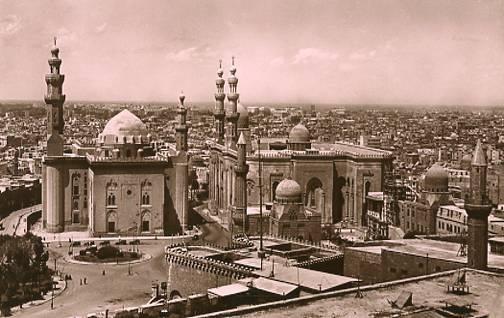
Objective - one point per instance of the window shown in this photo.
(75, 205)
(85, 203)
(111, 199)
(145, 199)
(111, 227)
(145, 226)
(76, 217)
(76, 189)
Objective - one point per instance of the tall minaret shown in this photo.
(232, 115)
(181, 128)
(219, 113)
(54, 100)
(241, 170)
(478, 207)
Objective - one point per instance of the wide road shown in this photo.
(113, 291)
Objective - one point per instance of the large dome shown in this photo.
(243, 120)
(436, 179)
(288, 190)
(124, 127)
(299, 134)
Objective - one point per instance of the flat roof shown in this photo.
(306, 278)
(435, 249)
(269, 285)
(429, 291)
(228, 290)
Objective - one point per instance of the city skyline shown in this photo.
(359, 52)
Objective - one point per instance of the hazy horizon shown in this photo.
(371, 52)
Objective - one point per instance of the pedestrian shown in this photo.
(81, 281)
(85, 281)
(103, 272)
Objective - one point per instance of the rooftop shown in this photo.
(428, 292)
(306, 278)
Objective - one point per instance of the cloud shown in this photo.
(307, 55)
(362, 55)
(101, 28)
(10, 24)
(277, 61)
(190, 54)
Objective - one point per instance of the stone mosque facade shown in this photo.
(334, 178)
(120, 186)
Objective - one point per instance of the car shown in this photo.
(103, 243)
(120, 242)
(135, 242)
(76, 243)
(89, 243)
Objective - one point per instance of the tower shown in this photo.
(241, 170)
(478, 207)
(219, 106)
(232, 115)
(54, 99)
(53, 195)
(181, 128)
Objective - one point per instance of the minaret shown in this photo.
(54, 100)
(181, 166)
(241, 170)
(478, 207)
(53, 185)
(232, 115)
(181, 128)
(219, 113)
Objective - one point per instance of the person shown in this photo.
(103, 272)
(85, 281)
(81, 281)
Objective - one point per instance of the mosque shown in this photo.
(120, 186)
(326, 181)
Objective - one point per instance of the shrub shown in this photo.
(107, 251)
(82, 252)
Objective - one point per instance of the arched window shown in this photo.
(311, 190)
(146, 199)
(146, 217)
(111, 199)
(273, 190)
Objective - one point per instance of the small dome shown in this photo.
(436, 179)
(299, 134)
(467, 158)
(124, 124)
(243, 120)
(288, 190)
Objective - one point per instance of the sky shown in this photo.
(431, 52)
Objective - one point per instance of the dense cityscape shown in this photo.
(381, 198)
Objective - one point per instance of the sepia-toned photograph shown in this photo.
(238, 158)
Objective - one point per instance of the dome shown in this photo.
(243, 120)
(125, 124)
(436, 179)
(299, 134)
(288, 190)
(467, 158)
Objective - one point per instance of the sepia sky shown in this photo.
(374, 51)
